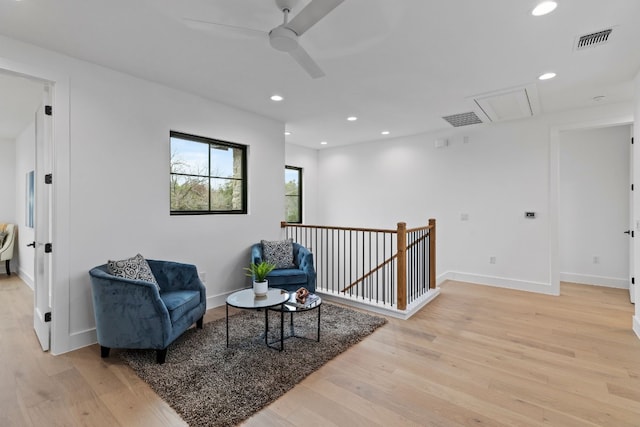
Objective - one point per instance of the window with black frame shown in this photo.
(208, 176)
(293, 194)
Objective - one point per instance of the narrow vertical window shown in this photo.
(293, 194)
(207, 176)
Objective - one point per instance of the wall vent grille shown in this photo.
(593, 39)
(463, 119)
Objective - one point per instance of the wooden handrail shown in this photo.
(284, 224)
(360, 279)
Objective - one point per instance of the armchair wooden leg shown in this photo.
(161, 356)
(200, 322)
(104, 352)
(8, 267)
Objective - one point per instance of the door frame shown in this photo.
(61, 338)
(554, 185)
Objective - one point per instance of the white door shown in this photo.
(632, 226)
(43, 191)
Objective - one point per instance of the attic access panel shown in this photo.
(509, 104)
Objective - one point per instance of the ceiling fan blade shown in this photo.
(214, 26)
(302, 57)
(311, 14)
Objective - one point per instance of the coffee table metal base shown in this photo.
(292, 330)
(246, 300)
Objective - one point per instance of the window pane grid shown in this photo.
(207, 175)
(293, 194)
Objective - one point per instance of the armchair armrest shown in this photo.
(304, 261)
(175, 276)
(256, 253)
(6, 250)
(128, 305)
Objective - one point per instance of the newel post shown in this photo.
(402, 265)
(432, 253)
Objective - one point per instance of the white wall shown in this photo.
(594, 206)
(25, 162)
(307, 159)
(501, 172)
(119, 184)
(7, 180)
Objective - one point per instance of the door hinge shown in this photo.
(633, 233)
(631, 140)
(48, 178)
(48, 110)
(633, 280)
(631, 187)
(48, 248)
(47, 316)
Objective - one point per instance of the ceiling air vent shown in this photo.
(593, 39)
(463, 119)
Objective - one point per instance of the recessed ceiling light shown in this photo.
(323, 143)
(287, 133)
(276, 98)
(385, 132)
(352, 118)
(544, 7)
(547, 76)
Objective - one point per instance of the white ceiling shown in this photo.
(399, 65)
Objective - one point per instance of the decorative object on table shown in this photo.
(259, 272)
(301, 295)
(210, 385)
(7, 239)
(309, 300)
(295, 266)
(133, 312)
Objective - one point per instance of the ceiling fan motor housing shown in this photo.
(283, 39)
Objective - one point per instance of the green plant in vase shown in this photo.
(259, 273)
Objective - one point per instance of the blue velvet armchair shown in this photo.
(290, 279)
(135, 314)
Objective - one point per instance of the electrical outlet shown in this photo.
(203, 276)
(492, 260)
(464, 217)
(596, 259)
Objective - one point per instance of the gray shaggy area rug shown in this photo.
(209, 384)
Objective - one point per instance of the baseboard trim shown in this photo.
(26, 278)
(89, 336)
(636, 325)
(499, 282)
(586, 279)
(384, 310)
(219, 299)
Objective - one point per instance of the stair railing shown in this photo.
(377, 266)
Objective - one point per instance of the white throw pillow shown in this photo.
(135, 268)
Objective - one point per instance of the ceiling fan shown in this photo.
(284, 37)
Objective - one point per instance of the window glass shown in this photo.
(293, 194)
(207, 175)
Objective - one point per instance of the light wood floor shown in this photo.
(475, 356)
